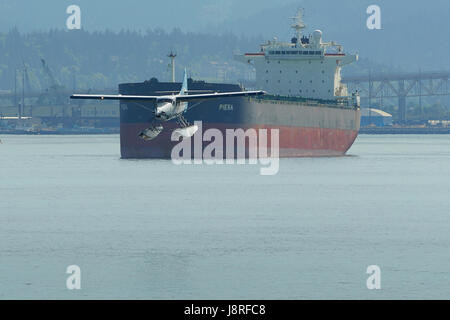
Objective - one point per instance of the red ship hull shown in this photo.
(293, 141)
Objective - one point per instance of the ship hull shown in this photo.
(304, 130)
(293, 141)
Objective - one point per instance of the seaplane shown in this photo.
(168, 107)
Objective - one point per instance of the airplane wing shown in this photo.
(186, 98)
(114, 97)
(193, 97)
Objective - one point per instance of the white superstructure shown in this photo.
(305, 67)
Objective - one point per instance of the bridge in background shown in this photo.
(400, 86)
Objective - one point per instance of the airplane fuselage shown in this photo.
(168, 108)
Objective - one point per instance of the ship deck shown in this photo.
(341, 104)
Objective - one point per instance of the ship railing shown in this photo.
(344, 102)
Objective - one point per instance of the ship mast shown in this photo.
(172, 56)
(298, 24)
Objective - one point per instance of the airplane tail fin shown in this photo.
(184, 87)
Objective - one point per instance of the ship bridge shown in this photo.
(309, 68)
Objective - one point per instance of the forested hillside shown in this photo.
(103, 59)
(414, 33)
(81, 59)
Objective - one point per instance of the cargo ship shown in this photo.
(305, 101)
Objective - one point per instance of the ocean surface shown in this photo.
(149, 229)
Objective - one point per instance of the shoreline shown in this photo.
(405, 130)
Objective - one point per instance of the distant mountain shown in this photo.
(81, 59)
(415, 33)
(188, 15)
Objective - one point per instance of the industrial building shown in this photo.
(375, 117)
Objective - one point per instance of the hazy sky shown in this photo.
(415, 33)
(191, 15)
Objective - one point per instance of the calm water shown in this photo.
(153, 230)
